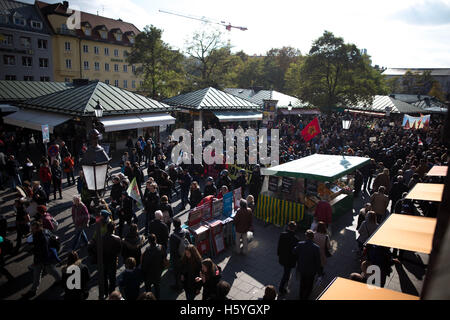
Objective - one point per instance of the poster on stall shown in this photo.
(273, 184)
(217, 208)
(410, 122)
(237, 196)
(45, 133)
(228, 204)
(219, 243)
(286, 184)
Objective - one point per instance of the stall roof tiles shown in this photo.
(258, 97)
(380, 103)
(23, 90)
(210, 99)
(81, 100)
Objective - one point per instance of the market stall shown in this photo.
(292, 190)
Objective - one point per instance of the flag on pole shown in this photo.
(311, 130)
(133, 192)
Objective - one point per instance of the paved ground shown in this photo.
(248, 275)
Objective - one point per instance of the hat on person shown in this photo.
(41, 209)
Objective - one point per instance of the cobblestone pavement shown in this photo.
(248, 275)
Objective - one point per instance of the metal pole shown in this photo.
(101, 276)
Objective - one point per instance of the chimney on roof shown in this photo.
(80, 82)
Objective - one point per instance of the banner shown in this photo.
(269, 110)
(237, 196)
(410, 122)
(311, 130)
(227, 204)
(45, 133)
(133, 192)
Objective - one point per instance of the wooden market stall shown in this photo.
(426, 192)
(292, 190)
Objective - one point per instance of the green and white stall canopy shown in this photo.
(321, 167)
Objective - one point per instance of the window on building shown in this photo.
(141, 83)
(125, 68)
(125, 53)
(19, 21)
(133, 84)
(43, 63)
(3, 18)
(131, 38)
(28, 78)
(85, 49)
(66, 79)
(106, 81)
(87, 31)
(106, 51)
(106, 66)
(42, 44)
(7, 39)
(116, 83)
(96, 50)
(118, 36)
(10, 77)
(133, 68)
(125, 84)
(97, 66)
(68, 64)
(67, 46)
(27, 61)
(36, 24)
(86, 65)
(9, 60)
(45, 79)
(116, 68)
(25, 42)
(116, 52)
(104, 34)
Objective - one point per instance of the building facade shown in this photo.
(25, 43)
(95, 49)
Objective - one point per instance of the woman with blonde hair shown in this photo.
(251, 203)
(190, 267)
(196, 194)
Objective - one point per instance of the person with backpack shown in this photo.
(151, 202)
(68, 164)
(190, 267)
(179, 240)
(80, 217)
(48, 222)
(45, 257)
(152, 265)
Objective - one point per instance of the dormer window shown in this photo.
(3, 18)
(131, 38)
(103, 34)
(118, 35)
(87, 31)
(36, 24)
(19, 21)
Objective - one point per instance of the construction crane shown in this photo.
(227, 26)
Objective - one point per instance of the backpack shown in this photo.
(184, 243)
(166, 216)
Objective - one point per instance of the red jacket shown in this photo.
(45, 175)
(323, 212)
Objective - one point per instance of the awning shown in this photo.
(345, 289)
(227, 116)
(34, 120)
(426, 192)
(286, 112)
(8, 108)
(370, 113)
(321, 167)
(118, 123)
(400, 231)
(437, 171)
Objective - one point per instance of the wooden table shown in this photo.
(438, 171)
(427, 192)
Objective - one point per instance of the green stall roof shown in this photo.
(321, 167)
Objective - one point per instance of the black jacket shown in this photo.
(126, 208)
(112, 246)
(160, 230)
(210, 190)
(39, 196)
(210, 285)
(308, 255)
(76, 294)
(195, 198)
(151, 203)
(152, 263)
(174, 242)
(286, 244)
(116, 192)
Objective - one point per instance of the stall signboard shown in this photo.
(233, 171)
(287, 184)
(273, 184)
(269, 110)
(237, 196)
(45, 134)
(217, 208)
(228, 204)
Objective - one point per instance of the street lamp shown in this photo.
(95, 167)
(98, 110)
(346, 122)
(289, 109)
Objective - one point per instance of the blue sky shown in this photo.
(396, 33)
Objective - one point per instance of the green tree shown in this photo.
(157, 63)
(394, 85)
(436, 91)
(335, 74)
(210, 62)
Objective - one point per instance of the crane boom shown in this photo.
(227, 26)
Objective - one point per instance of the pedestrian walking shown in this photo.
(80, 218)
(286, 244)
(243, 222)
(71, 293)
(130, 280)
(322, 239)
(190, 267)
(68, 165)
(210, 276)
(112, 246)
(177, 244)
(152, 266)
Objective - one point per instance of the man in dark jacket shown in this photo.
(125, 211)
(396, 192)
(178, 235)
(210, 188)
(185, 181)
(241, 182)
(12, 169)
(308, 263)
(112, 246)
(116, 192)
(152, 265)
(224, 180)
(151, 202)
(286, 244)
(160, 230)
(256, 183)
(43, 258)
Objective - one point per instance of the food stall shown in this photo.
(292, 190)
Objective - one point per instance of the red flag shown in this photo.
(311, 130)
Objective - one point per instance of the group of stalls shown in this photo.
(292, 190)
(211, 223)
(399, 231)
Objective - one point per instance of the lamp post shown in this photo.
(95, 166)
(346, 122)
(289, 109)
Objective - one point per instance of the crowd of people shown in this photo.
(396, 166)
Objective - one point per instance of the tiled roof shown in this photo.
(401, 71)
(380, 103)
(81, 100)
(22, 90)
(261, 95)
(210, 99)
(24, 10)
